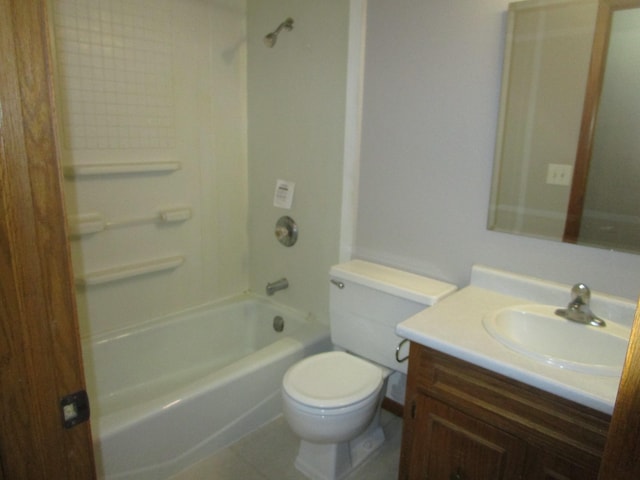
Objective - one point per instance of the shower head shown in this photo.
(271, 38)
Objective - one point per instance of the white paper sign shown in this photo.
(283, 198)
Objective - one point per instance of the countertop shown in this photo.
(454, 326)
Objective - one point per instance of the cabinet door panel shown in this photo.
(451, 445)
(543, 465)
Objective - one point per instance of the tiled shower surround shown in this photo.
(114, 63)
(152, 118)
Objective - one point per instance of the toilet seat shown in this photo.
(332, 380)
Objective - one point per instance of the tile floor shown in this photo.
(269, 452)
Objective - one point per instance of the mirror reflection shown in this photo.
(567, 163)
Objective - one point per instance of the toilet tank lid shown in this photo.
(417, 288)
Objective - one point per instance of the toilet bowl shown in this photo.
(331, 402)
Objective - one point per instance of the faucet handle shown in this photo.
(581, 293)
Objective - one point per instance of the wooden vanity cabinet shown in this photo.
(462, 422)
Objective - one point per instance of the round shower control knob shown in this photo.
(286, 231)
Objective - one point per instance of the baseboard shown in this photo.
(393, 406)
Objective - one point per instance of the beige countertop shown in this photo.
(454, 326)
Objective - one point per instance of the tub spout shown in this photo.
(273, 287)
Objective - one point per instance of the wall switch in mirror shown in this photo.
(559, 174)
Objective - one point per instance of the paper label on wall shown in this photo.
(283, 198)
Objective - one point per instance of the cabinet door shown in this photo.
(542, 465)
(450, 445)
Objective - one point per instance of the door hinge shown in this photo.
(413, 409)
(75, 409)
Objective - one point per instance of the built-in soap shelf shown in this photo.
(98, 169)
(122, 272)
(94, 222)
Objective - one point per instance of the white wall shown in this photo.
(431, 92)
(296, 97)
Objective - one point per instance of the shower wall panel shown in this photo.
(152, 102)
(297, 105)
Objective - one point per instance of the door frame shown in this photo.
(40, 352)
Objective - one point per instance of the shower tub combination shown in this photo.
(173, 391)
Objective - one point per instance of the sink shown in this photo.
(537, 332)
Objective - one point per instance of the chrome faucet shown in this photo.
(273, 287)
(578, 309)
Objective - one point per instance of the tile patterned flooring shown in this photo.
(269, 452)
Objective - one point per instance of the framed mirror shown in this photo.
(567, 163)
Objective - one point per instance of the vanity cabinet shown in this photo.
(463, 422)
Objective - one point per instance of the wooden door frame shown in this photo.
(40, 355)
(621, 459)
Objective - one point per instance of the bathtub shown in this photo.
(171, 392)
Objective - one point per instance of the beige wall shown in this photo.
(166, 81)
(155, 81)
(296, 94)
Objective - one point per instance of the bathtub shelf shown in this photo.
(94, 222)
(123, 272)
(90, 169)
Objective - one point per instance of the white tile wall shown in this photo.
(146, 81)
(114, 63)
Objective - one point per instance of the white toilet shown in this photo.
(332, 400)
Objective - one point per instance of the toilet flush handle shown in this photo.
(398, 359)
(337, 283)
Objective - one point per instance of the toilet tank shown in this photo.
(368, 300)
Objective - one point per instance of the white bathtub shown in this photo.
(168, 394)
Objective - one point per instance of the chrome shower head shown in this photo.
(271, 38)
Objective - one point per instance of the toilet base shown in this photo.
(334, 461)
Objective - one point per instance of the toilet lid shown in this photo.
(331, 380)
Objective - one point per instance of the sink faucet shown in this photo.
(578, 309)
(273, 287)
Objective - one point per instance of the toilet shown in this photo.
(332, 400)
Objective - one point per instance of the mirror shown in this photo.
(567, 163)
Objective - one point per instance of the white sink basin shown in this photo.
(537, 332)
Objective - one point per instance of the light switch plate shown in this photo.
(559, 174)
